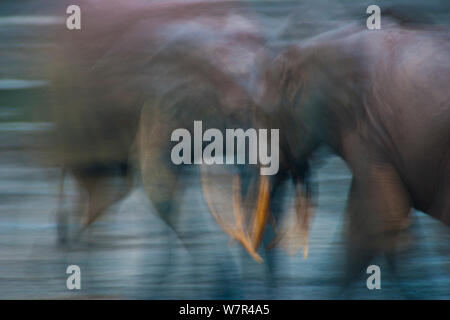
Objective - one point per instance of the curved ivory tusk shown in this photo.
(296, 234)
(261, 214)
(237, 233)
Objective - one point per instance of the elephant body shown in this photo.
(136, 71)
(380, 100)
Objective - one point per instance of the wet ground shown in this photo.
(125, 254)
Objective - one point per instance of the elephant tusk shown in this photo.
(238, 232)
(243, 238)
(261, 214)
(295, 235)
(304, 216)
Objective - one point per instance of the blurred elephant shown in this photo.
(380, 100)
(134, 73)
(140, 69)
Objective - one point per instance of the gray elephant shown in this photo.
(136, 71)
(380, 100)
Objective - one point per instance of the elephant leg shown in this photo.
(105, 185)
(162, 188)
(64, 216)
(160, 184)
(270, 238)
(276, 209)
(378, 209)
(159, 176)
(160, 179)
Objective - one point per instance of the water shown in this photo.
(17, 84)
(124, 256)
